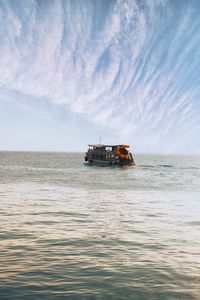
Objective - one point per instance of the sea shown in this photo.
(73, 231)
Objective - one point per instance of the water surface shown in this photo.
(83, 232)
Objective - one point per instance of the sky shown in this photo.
(125, 70)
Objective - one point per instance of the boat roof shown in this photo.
(102, 145)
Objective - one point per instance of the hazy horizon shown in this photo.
(83, 152)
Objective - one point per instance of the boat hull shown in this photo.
(109, 163)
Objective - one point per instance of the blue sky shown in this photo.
(74, 70)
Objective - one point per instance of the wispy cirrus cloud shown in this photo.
(131, 67)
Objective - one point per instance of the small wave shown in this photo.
(166, 166)
(147, 166)
(156, 166)
(194, 223)
(189, 168)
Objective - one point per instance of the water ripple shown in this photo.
(99, 233)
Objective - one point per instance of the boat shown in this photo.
(109, 155)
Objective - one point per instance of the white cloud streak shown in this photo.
(130, 66)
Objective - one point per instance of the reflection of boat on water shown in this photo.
(109, 155)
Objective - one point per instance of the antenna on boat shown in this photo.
(100, 140)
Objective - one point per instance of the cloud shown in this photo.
(130, 67)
